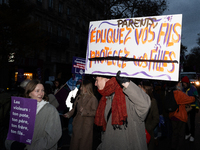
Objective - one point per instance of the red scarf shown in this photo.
(119, 113)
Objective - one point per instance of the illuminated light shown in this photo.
(197, 82)
(28, 75)
(7, 88)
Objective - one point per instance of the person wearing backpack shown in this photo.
(179, 117)
(191, 91)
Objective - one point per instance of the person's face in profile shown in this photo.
(83, 90)
(100, 82)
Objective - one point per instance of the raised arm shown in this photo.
(135, 94)
(140, 99)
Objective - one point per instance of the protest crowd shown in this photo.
(106, 112)
(125, 95)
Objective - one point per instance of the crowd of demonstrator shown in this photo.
(122, 110)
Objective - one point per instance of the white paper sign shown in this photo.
(155, 39)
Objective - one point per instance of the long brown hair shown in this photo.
(89, 87)
(31, 86)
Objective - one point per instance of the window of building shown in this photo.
(84, 4)
(48, 55)
(60, 8)
(27, 75)
(98, 16)
(77, 21)
(51, 3)
(59, 31)
(68, 13)
(68, 34)
(93, 12)
(11, 57)
(76, 39)
(58, 56)
(39, 2)
(4, 2)
(49, 26)
(67, 57)
(83, 23)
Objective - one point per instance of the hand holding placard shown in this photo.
(123, 82)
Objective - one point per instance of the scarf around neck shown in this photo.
(119, 112)
(40, 105)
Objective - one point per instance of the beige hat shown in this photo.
(24, 83)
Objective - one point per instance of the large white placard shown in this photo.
(156, 40)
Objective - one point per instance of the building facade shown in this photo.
(65, 23)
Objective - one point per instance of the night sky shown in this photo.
(190, 10)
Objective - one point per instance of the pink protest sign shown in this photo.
(22, 119)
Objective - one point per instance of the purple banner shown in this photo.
(22, 119)
(78, 65)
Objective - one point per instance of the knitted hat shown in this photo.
(185, 79)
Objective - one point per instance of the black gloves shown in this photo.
(121, 80)
(17, 146)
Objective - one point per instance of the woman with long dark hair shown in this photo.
(84, 110)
